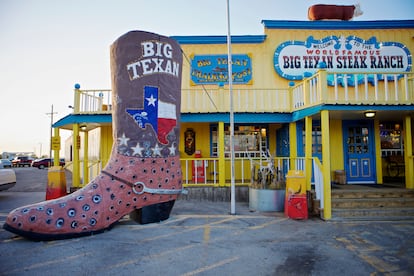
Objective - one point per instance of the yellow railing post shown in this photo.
(306, 91)
(290, 95)
(308, 151)
(76, 101)
(326, 166)
(408, 154)
(221, 155)
(323, 84)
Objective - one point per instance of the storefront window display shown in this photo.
(249, 141)
(391, 138)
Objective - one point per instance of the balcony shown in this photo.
(321, 88)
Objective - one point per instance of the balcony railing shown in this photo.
(354, 89)
(321, 88)
(245, 100)
(93, 101)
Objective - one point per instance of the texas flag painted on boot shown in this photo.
(160, 115)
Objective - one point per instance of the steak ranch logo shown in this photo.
(294, 60)
(156, 58)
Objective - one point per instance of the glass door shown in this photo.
(359, 152)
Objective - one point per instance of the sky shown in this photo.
(49, 45)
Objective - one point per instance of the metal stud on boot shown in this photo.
(143, 174)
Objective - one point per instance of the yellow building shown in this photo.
(334, 99)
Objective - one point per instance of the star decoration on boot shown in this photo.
(137, 150)
(172, 150)
(157, 150)
(123, 140)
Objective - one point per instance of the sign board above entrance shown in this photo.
(212, 69)
(295, 59)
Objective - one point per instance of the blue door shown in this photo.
(359, 151)
(282, 147)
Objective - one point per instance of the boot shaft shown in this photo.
(146, 84)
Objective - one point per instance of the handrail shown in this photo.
(318, 180)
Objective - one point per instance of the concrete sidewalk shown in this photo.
(202, 238)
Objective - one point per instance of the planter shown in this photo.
(266, 200)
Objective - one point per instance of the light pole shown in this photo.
(51, 129)
(230, 78)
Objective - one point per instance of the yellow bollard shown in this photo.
(56, 183)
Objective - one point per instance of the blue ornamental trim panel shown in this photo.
(213, 69)
(295, 60)
(338, 25)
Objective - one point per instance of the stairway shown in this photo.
(378, 203)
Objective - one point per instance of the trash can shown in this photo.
(340, 177)
(198, 168)
(296, 204)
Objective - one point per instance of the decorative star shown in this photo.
(172, 149)
(123, 140)
(157, 150)
(151, 100)
(137, 150)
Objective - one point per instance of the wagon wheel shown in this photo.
(393, 169)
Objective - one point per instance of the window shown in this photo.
(316, 140)
(357, 141)
(391, 138)
(249, 141)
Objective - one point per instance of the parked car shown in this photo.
(22, 161)
(46, 162)
(5, 163)
(7, 179)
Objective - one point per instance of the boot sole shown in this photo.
(148, 214)
(153, 213)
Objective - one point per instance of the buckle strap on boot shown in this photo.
(140, 188)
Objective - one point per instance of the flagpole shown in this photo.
(230, 78)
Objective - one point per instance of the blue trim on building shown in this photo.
(370, 107)
(335, 25)
(298, 115)
(240, 118)
(251, 118)
(301, 114)
(83, 118)
(237, 39)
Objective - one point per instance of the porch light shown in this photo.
(369, 114)
(83, 127)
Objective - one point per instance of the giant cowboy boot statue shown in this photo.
(143, 174)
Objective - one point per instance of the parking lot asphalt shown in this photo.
(202, 238)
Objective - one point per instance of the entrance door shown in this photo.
(359, 152)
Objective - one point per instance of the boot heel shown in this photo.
(153, 213)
